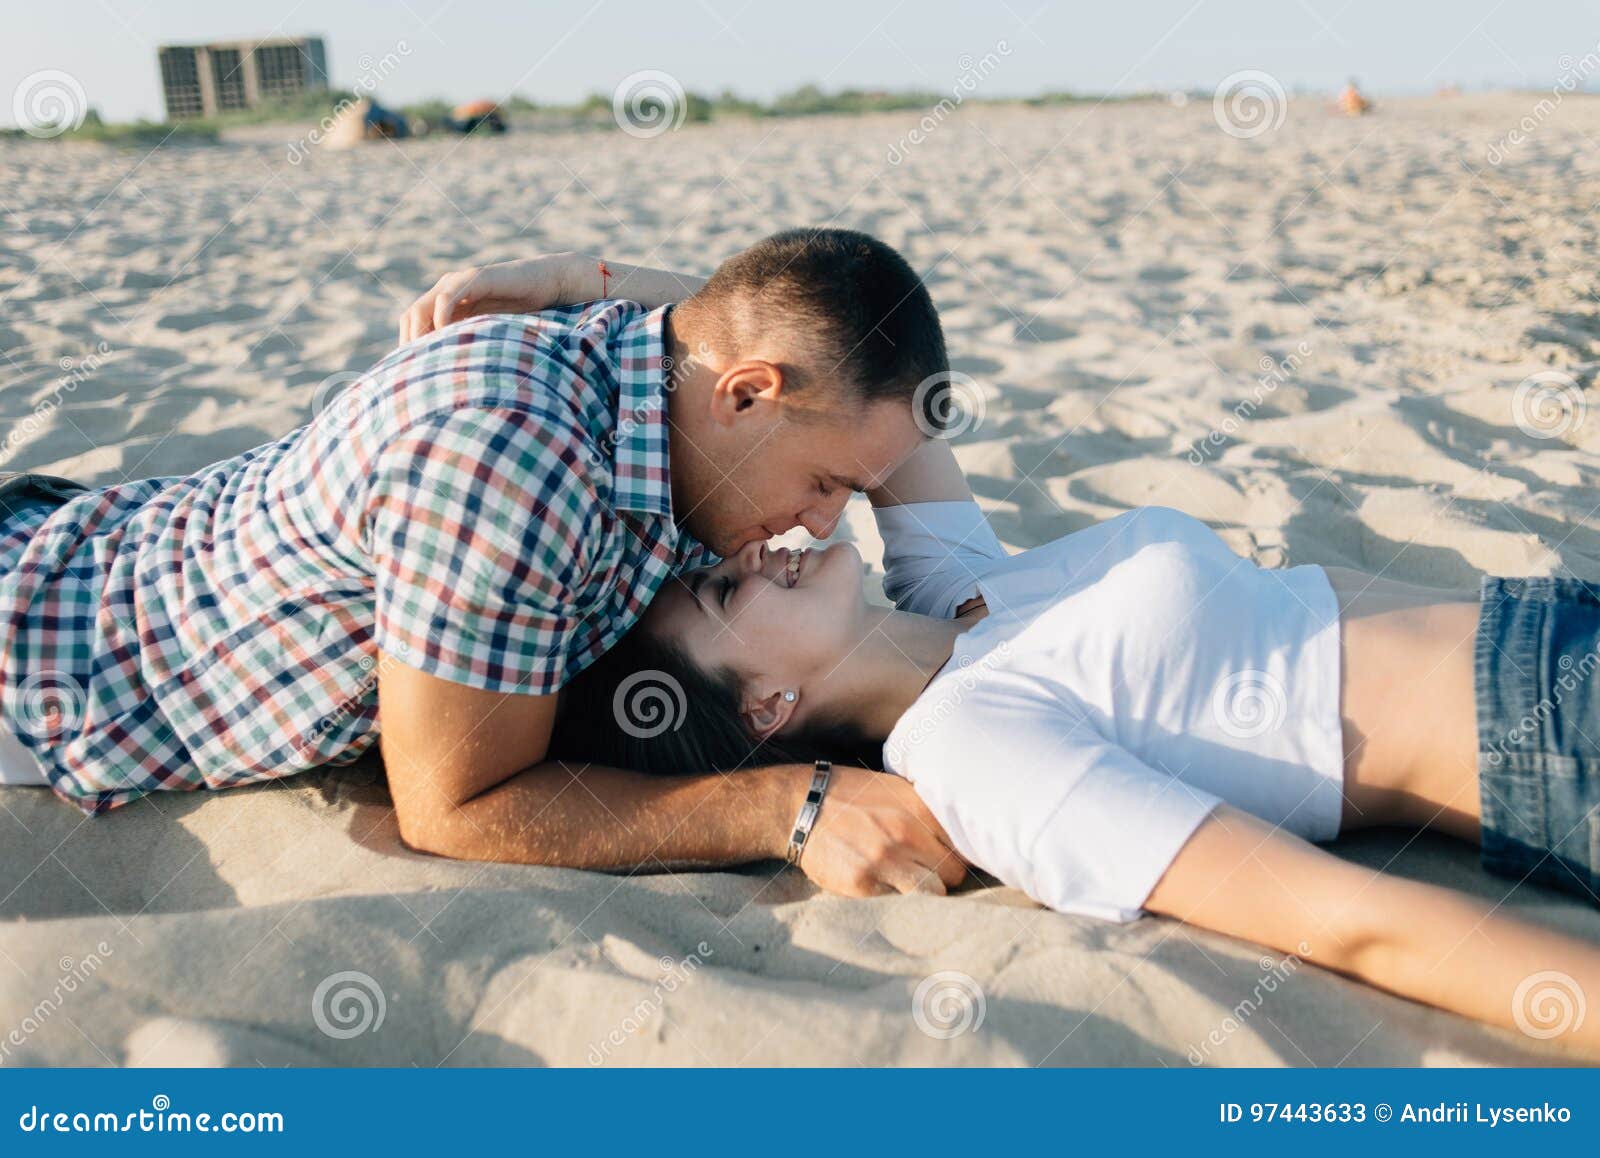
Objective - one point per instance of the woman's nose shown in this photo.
(749, 557)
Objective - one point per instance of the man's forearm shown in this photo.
(586, 816)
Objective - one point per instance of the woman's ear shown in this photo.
(766, 716)
(742, 386)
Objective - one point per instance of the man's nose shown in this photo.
(821, 521)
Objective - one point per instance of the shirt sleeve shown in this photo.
(481, 524)
(934, 554)
(1038, 798)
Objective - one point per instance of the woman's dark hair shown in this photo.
(647, 706)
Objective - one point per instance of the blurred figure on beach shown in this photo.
(475, 115)
(1351, 102)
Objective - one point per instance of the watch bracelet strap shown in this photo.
(821, 774)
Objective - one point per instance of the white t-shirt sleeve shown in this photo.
(934, 554)
(1042, 801)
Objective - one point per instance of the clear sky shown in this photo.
(560, 52)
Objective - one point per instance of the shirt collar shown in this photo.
(641, 480)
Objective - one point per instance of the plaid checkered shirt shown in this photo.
(489, 505)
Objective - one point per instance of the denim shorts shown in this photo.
(24, 490)
(1537, 673)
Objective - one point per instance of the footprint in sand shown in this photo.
(1164, 274)
(238, 312)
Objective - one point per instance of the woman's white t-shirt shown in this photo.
(1126, 679)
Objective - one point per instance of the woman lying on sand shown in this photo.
(1133, 719)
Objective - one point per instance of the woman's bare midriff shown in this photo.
(1407, 703)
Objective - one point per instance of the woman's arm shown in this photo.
(930, 475)
(539, 283)
(1238, 875)
(936, 542)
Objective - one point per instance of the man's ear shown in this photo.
(743, 386)
(767, 715)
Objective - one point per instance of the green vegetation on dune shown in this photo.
(596, 111)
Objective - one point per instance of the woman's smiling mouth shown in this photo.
(791, 573)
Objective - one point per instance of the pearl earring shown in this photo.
(788, 697)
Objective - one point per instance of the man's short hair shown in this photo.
(850, 300)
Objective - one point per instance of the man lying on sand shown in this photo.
(459, 534)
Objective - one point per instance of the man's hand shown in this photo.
(874, 836)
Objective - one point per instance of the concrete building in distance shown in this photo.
(202, 80)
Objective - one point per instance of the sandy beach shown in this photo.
(1358, 342)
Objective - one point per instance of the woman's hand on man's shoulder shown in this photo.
(525, 286)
